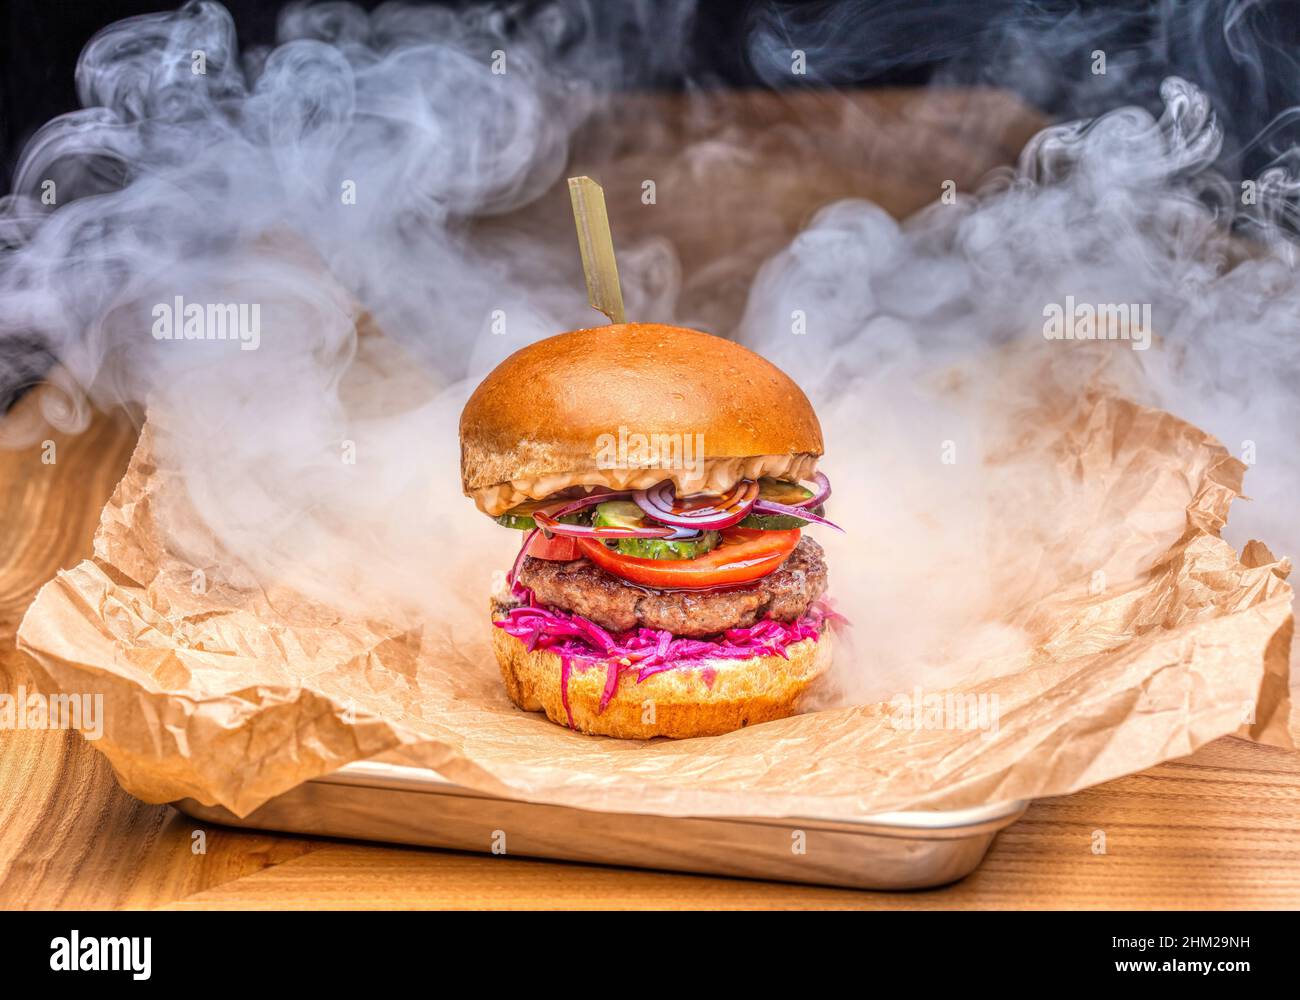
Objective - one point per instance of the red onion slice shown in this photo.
(769, 507)
(589, 500)
(660, 502)
(823, 491)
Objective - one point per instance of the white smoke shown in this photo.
(931, 334)
(352, 166)
(373, 161)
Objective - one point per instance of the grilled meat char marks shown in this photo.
(620, 606)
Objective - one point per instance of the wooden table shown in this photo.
(1218, 829)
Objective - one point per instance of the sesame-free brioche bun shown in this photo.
(742, 693)
(549, 416)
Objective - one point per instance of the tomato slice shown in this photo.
(559, 548)
(743, 555)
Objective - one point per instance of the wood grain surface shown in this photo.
(1218, 829)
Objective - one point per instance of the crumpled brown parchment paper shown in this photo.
(231, 696)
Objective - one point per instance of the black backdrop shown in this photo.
(1245, 53)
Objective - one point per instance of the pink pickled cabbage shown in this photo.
(649, 651)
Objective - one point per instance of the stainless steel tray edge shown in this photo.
(371, 800)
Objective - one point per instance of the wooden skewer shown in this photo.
(597, 247)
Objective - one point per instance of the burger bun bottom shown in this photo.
(705, 699)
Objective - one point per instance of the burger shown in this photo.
(660, 481)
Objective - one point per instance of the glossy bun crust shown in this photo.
(542, 414)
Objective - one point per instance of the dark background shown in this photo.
(1243, 53)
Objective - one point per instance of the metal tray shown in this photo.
(369, 800)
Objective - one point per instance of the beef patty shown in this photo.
(619, 606)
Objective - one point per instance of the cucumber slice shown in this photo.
(663, 548)
(523, 522)
(782, 491)
(617, 514)
(625, 514)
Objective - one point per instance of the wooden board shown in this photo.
(1218, 829)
